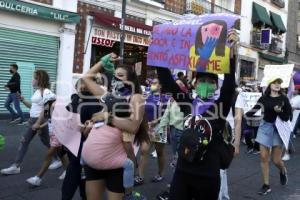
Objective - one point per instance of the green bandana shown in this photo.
(107, 64)
(206, 90)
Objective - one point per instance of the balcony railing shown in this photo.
(276, 45)
(255, 40)
(279, 3)
(200, 7)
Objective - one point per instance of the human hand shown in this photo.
(35, 127)
(233, 39)
(100, 116)
(207, 49)
(278, 109)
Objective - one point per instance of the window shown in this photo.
(247, 71)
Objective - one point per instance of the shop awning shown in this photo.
(281, 60)
(114, 22)
(260, 15)
(278, 23)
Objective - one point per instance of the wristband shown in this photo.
(109, 120)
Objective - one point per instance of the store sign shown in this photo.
(135, 30)
(39, 11)
(115, 36)
(102, 42)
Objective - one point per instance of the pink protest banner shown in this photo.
(197, 43)
(66, 127)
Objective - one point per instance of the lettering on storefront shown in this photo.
(115, 36)
(18, 8)
(135, 30)
(102, 42)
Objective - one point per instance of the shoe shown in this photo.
(286, 157)
(55, 165)
(34, 181)
(283, 177)
(157, 178)
(11, 170)
(249, 150)
(265, 189)
(134, 196)
(13, 120)
(163, 196)
(21, 123)
(62, 176)
(255, 152)
(138, 181)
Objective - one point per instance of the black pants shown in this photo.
(192, 187)
(73, 178)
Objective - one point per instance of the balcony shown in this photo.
(255, 41)
(200, 7)
(276, 45)
(279, 3)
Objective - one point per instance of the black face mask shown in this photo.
(11, 71)
(119, 87)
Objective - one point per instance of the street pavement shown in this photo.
(244, 176)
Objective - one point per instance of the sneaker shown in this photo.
(286, 157)
(265, 189)
(11, 170)
(138, 181)
(157, 178)
(163, 196)
(13, 120)
(134, 196)
(21, 123)
(34, 181)
(249, 150)
(283, 177)
(62, 176)
(255, 152)
(55, 165)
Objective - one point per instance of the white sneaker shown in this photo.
(55, 165)
(11, 170)
(286, 157)
(35, 181)
(62, 176)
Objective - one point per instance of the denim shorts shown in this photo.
(268, 135)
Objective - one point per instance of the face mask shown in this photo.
(205, 90)
(119, 87)
(11, 71)
(34, 83)
(153, 88)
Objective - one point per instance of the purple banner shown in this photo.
(197, 43)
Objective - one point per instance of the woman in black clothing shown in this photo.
(274, 104)
(197, 175)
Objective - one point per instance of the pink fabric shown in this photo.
(104, 149)
(66, 126)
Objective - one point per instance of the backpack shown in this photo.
(195, 139)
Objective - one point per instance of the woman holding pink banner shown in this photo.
(274, 104)
(106, 150)
(202, 149)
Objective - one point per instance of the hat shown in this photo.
(274, 79)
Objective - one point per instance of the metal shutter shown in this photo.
(39, 50)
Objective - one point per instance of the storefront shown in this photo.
(35, 37)
(105, 38)
(248, 64)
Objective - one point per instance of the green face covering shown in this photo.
(107, 64)
(206, 90)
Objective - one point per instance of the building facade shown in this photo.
(263, 36)
(37, 34)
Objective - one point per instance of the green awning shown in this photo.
(260, 15)
(278, 23)
(280, 60)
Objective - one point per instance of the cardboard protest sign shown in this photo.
(197, 43)
(284, 129)
(284, 72)
(250, 99)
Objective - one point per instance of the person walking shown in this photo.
(36, 105)
(14, 87)
(274, 104)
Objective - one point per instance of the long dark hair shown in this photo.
(220, 48)
(43, 80)
(267, 92)
(142, 134)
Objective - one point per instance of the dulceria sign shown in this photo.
(39, 11)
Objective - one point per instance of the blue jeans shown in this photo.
(12, 97)
(223, 194)
(128, 174)
(175, 139)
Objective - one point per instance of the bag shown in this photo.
(227, 149)
(195, 139)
